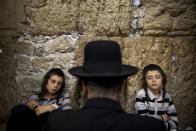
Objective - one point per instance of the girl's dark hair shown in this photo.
(153, 67)
(48, 75)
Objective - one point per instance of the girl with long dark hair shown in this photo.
(52, 96)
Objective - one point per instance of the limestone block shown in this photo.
(21, 22)
(182, 83)
(6, 33)
(57, 17)
(53, 17)
(44, 63)
(185, 22)
(28, 85)
(7, 83)
(110, 18)
(7, 20)
(12, 17)
(169, 17)
(67, 60)
(23, 64)
(59, 44)
(158, 25)
(7, 50)
(7, 14)
(25, 47)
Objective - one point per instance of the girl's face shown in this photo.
(154, 80)
(54, 84)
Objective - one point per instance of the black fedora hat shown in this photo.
(102, 58)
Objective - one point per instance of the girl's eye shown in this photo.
(60, 84)
(53, 81)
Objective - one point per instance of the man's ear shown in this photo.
(84, 88)
(123, 85)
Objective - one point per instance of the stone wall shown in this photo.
(36, 35)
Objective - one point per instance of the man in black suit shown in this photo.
(103, 77)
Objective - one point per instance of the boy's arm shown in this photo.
(173, 118)
(140, 105)
(64, 102)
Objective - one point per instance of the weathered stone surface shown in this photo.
(12, 17)
(7, 79)
(169, 17)
(52, 16)
(101, 17)
(28, 85)
(23, 64)
(45, 63)
(183, 76)
(110, 18)
(66, 62)
(24, 47)
(186, 21)
(61, 44)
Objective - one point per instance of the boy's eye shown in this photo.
(149, 78)
(158, 76)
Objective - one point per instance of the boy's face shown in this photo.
(54, 84)
(154, 80)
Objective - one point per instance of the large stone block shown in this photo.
(44, 63)
(182, 82)
(57, 17)
(25, 47)
(169, 17)
(110, 18)
(7, 21)
(12, 17)
(7, 83)
(59, 44)
(53, 17)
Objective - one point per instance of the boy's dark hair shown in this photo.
(48, 75)
(153, 67)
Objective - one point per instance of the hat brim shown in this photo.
(126, 70)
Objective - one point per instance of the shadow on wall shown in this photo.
(7, 78)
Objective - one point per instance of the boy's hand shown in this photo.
(44, 108)
(32, 104)
(165, 117)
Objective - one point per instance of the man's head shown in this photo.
(103, 73)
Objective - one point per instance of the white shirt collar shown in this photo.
(152, 96)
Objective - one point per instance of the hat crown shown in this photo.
(102, 57)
